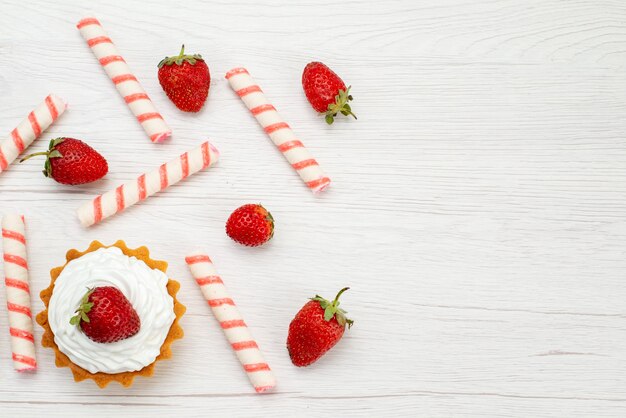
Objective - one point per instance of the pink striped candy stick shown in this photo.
(30, 129)
(279, 132)
(18, 293)
(127, 194)
(231, 321)
(125, 82)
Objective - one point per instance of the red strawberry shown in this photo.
(185, 79)
(326, 92)
(316, 328)
(106, 316)
(250, 225)
(71, 161)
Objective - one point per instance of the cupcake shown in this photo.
(111, 313)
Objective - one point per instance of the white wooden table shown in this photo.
(478, 205)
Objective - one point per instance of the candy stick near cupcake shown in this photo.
(18, 293)
(230, 320)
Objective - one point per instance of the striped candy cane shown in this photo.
(30, 129)
(125, 82)
(127, 194)
(279, 132)
(18, 293)
(231, 321)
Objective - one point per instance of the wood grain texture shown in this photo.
(478, 205)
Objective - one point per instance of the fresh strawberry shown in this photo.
(316, 328)
(250, 225)
(71, 161)
(185, 79)
(326, 92)
(106, 316)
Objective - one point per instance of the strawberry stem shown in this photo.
(336, 301)
(29, 156)
(51, 153)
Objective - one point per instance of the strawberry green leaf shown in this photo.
(82, 310)
(331, 309)
(180, 59)
(329, 313)
(55, 142)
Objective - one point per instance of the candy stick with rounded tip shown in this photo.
(126, 83)
(231, 321)
(127, 194)
(18, 293)
(30, 129)
(279, 132)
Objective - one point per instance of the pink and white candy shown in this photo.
(279, 132)
(30, 129)
(126, 83)
(127, 194)
(18, 293)
(231, 321)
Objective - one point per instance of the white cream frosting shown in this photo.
(145, 288)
